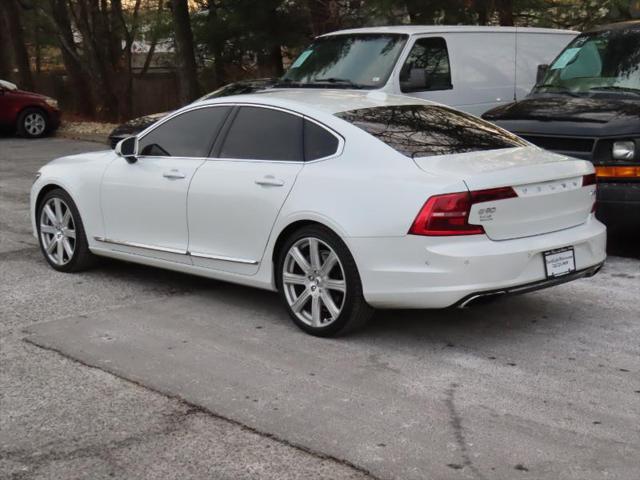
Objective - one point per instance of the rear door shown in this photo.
(235, 197)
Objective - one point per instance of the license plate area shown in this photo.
(559, 262)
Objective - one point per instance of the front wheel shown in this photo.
(33, 123)
(319, 283)
(61, 234)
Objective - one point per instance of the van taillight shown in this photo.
(448, 214)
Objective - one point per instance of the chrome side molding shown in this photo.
(176, 251)
(140, 245)
(222, 258)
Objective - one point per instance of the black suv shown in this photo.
(587, 105)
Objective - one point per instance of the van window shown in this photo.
(428, 130)
(427, 67)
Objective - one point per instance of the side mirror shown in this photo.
(127, 149)
(541, 73)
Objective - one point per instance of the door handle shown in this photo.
(270, 181)
(173, 174)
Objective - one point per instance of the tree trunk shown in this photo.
(505, 12)
(185, 56)
(324, 16)
(216, 42)
(6, 59)
(482, 9)
(20, 53)
(92, 19)
(79, 79)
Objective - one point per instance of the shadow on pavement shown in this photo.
(624, 242)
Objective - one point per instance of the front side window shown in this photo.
(427, 130)
(604, 61)
(427, 67)
(189, 134)
(264, 134)
(346, 61)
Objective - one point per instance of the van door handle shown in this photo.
(270, 181)
(173, 174)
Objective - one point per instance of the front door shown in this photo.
(144, 203)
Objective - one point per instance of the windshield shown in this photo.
(347, 61)
(607, 61)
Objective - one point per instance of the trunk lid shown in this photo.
(551, 196)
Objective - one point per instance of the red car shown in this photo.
(30, 114)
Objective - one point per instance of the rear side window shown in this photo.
(427, 67)
(318, 142)
(426, 130)
(264, 134)
(190, 134)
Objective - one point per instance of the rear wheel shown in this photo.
(61, 233)
(33, 123)
(319, 283)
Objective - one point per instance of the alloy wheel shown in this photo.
(57, 231)
(34, 124)
(314, 282)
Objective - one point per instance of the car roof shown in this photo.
(309, 100)
(426, 29)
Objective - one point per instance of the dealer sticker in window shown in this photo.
(300, 60)
(563, 60)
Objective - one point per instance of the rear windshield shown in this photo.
(427, 130)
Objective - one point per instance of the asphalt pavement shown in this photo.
(132, 372)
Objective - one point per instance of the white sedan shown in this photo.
(341, 201)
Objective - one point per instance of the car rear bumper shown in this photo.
(619, 203)
(530, 287)
(432, 272)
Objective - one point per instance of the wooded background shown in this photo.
(114, 59)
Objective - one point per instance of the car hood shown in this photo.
(100, 156)
(26, 94)
(565, 108)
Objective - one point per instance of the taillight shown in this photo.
(448, 214)
(492, 194)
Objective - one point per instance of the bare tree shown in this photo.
(12, 13)
(6, 59)
(71, 57)
(185, 55)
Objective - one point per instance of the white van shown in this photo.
(467, 67)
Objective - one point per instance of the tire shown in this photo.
(325, 297)
(33, 123)
(55, 229)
